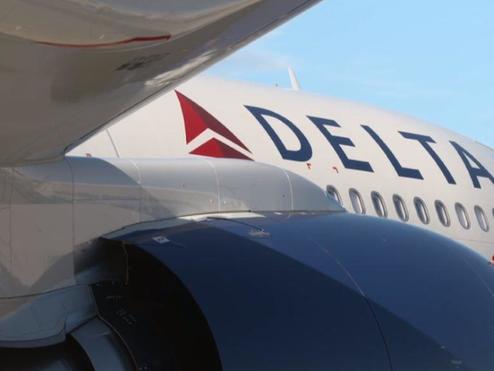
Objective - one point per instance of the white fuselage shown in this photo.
(332, 142)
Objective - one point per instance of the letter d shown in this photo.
(303, 154)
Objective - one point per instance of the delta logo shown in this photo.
(197, 121)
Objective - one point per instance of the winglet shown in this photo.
(293, 79)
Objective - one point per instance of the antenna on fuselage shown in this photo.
(293, 79)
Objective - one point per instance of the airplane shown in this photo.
(138, 263)
(371, 161)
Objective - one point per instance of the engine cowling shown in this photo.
(282, 291)
(317, 291)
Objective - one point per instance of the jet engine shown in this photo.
(284, 288)
(283, 291)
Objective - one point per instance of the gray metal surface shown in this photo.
(102, 347)
(39, 321)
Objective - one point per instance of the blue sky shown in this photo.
(430, 59)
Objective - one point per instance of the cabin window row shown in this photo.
(421, 209)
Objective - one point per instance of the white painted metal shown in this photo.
(82, 22)
(147, 132)
(41, 224)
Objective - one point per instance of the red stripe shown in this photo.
(121, 42)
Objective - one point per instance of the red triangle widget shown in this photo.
(197, 120)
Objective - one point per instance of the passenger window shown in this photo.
(462, 215)
(357, 202)
(442, 213)
(421, 209)
(333, 192)
(379, 205)
(400, 207)
(481, 218)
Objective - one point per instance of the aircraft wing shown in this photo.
(68, 67)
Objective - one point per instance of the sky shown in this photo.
(433, 60)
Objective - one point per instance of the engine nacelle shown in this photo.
(282, 291)
(314, 291)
